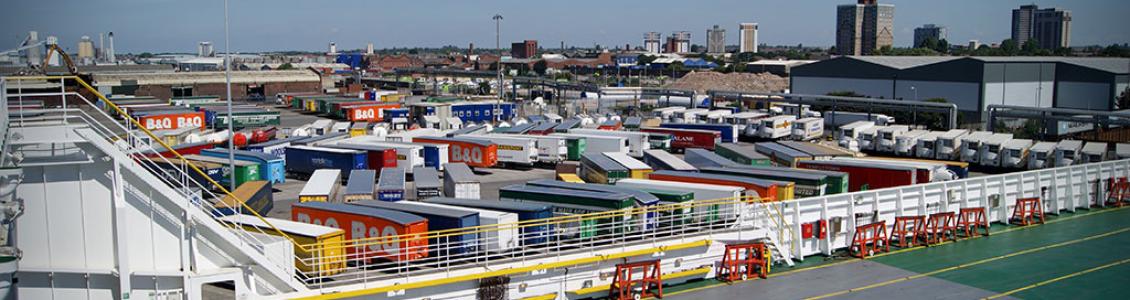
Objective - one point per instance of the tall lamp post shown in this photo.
(915, 90)
(227, 75)
(498, 45)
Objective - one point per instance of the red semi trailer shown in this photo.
(689, 138)
(867, 174)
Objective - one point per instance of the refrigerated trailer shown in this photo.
(947, 145)
(906, 142)
(518, 150)
(1014, 153)
(1068, 152)
(888, 137)
(599, 144)
(1094, 152)
(847, 136)
(746, 122)
(971, 145)
(637, 141)
(869, 138)
(808, 129)
(776, 127)
(991, 149)
(1041, 155)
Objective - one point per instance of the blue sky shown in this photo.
(266, 25)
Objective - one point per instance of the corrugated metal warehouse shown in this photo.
(973, 83)
(167, 85)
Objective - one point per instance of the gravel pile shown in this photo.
(750, 82)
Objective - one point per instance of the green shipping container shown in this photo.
(597, 168)
(244, 170)
(573, 202)
(669, 197)
(746, 155)
(576, 148)
(248, 119)
(323, 106)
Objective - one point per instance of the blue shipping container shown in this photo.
(439, 219)
(305, 159)
(271, 167)
(391, 186)
(526, 211)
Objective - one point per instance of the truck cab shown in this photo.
(1015, 153)
(887, 137)
(847, 136)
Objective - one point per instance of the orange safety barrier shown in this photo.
(939, 227)
(907, 230)
(971, 219)
(869, 239)
(742, 261)
(1027, 211)
(1119, 192)
(624, 283)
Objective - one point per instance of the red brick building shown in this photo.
(525, 49)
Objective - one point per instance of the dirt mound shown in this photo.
(759, 82)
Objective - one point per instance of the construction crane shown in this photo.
(51, 48)
(41, 69)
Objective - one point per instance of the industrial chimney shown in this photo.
(369, 49)
(110, 50)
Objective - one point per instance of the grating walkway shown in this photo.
(1078, 256)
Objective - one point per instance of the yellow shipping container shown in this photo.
(639, 173)
(319, 250)
(567, 177)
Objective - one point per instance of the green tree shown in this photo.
(1123, 100)
(540, 66)
(928, 43)
(1009, 47)
(286, 66)
(943, 46)
(1030, 47)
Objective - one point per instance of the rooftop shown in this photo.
(206, 77)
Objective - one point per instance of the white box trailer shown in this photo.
(948, 144)
(1014, 153)
(551, 148)
(600, 144)
(407, 135)
(511, 149)
(971, 146)
(834, 119)
(1122, 151)
(905, 142)
(888, 136)
(666, 113)
(847, 136)
(927, 145)
(746, 122)
(637, 141)
(341, 127)
(1067, 152)
(808, 129)
(502, 239)
(776, 127)
(869, 138)
(321, 127)
(408, 156)
(714, 116)
(1094, 152)
(991, 149)
(322, 186)
(1041, 155)
(460, 182)
(690, 115)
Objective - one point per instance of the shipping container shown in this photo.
(866, 175)
(597, 168)
(303, 160)
(362, 186)
(728, 132)
(743, 154)
(848, 136)
(454, 243)
(460, 182)
(369, 112)
(391, 186)
(700, 192)
(275, 147)
(502, 236)
(247, 118)
(317, 248)
(551, 149)
(991, 148)
(888, 138)
(271, 168)
(661, 160)
(172, 120)
(768, 190)
(594, 144)
(701, 158)
(473, 152)
(245, 171)
(869, 138)
(426, 181)
(957, 168)
(574, 202)
(323, 186)
(637, 141)
(512, 149)
(905, 142)
(776, 127)
(807, 129)
(948, 145)
(256, 195)
(782, 155)
(927, 145)
(636, 168)
(971, 146)
(1094, 152)
(321, 126)
(1122, 151)
(1014, 153)
(1041, 155)
(1068, 152)
(806, 184)
(377, 224)
(531, 235)
(688, 138)
(376, 156)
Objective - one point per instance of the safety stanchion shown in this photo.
(1119, 192)
(1028, 211)
(939, 227)
(743, 261)
(869, 239)
(971, 219)
(907, 230)
(636, 280)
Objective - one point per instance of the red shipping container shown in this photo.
(360, 222)
(369, 112)
(474, 153)
(873, 176)
(689, 138)
(173, 121)
(612, 126)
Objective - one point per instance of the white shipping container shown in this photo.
(460, 182)
(515, 150)
(948, 144)
(322, 186)
(927, 144)
(971, 146)
(600, 144)
(905, 143)
(1067, 152)
(776, 127)
(637, 141)
(1015, 153)
(808, 129)
(888, 137)
(991, 149)
(551, 148)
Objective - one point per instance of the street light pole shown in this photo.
(915, 93)
(227, 75)
(498, 45)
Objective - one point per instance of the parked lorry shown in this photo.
(661, 160)
(637, 141)
(362, 186)
(848, 135)
(808, 129)
(391, 186)
(970, 146)
(1041, 155)
(743, 154)
(303, 160)
(776, 127)
(688, 138)
(322, 186)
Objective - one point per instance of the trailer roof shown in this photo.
(321, 182)
(544, 126)
(627, 161)
(319, 138)
(466, 130)
(1043, 146)
(1069, 144)
(1122, 150)
(1018, 144)
(998, 138)
(816, 149)
(500, 205)
(679, 184)
(217, 160)
(534, 189)
(612, 133)
(602, 162)
(764, 172)
(748, 180)
(773, 149)
(857, 124)
(953, 133)
(426, 177)
(391, 178)
(567, 124)
(358, 146)
(642, 197)
(361, 182)
(700, 158)
(795, 170)
(412, 209)
(779, 118)
(286, 226)
(747, 114)
(459, 172)
(669, 159)
(893, 128)
(256, 154)
(361, 208)
(455, 139)
(930, 136)
(1094, 147)
(977, 136)
(633, 121)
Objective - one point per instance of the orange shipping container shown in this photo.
(384, 230)
(367, 112)
(473, 152)
(173, 121)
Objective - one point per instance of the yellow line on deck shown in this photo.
(1049, 281)
(974, 263)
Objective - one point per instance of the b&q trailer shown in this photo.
(637, 141)
(502, 239)
(728, 132)
(866, 175)
(367, 112)
(439, 219)
(781, 154)
(511, 150)
(688, 138)
(742, 154)
(661, 160)
(636, 168)
(322, 187)
(361, 186)
(700, 158)
(245, 171)
(807, 184)
(473, 152)
(372, 223)
(303, 160)
(766, 189)
(272, 168)
(460, 182)
(317, 248)
(597, 168)
(526, 211)
(426, 181)
(391, 186)
(595, 143)
(256, 195)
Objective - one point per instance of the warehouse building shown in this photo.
(245, 84)
(973, 83)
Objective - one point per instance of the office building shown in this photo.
(747, 37)
(651, 42)
(1050, 27)
(863, 27)
(205, 49)
(921, 34)
(716, 40)
(524, 49)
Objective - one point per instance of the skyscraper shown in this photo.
(716, 40)
(863, 27)
(747, 37)
(651, 41)
(1050, 27)
(928, 31)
